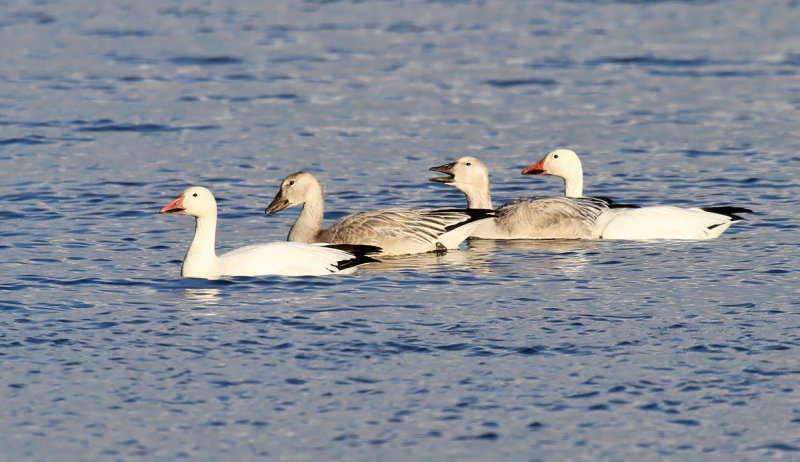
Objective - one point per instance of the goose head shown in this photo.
(562, 163)
(565, 164)
(196, 201)
(467, 174)
(296, 189)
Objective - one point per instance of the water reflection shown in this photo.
(485, 255)
(567, 256)
(206, 296)
(466, 260)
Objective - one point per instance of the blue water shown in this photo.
(502, 351)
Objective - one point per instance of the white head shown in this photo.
(563, 163)
(196, 201)
(296, 189)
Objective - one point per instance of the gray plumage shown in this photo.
(398, 231)
(537, 217)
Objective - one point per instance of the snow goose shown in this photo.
(657, 222)
(398, 231)
(278, 258)
(537, 217)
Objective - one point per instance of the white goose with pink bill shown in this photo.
(272, 258)
(656, 222)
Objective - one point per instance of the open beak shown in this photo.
(536, 169)
(447, 169)
(175, 207)
(278, 203)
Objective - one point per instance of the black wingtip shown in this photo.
(729, 211)
(474, 215)
(614, 205)
(360, 254)
(480, 214)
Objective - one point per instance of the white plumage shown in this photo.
(273, 258)
(658, 222)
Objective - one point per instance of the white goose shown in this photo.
(658, 222)
(537, 217)
(273, 258)
(398, 231)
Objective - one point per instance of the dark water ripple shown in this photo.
(205, 60)
(119, 33)
(520, 82)
(110, 126)
(29, 140)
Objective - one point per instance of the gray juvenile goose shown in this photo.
(398, 231)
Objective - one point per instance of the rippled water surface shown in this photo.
(502, 351)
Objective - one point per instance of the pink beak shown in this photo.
(175, 207)
(536, 169)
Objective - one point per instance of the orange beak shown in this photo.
(536, 169)
(175, 207)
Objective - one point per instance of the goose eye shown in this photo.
(555, 156)
(469, 163)
(194, 195)
(291, 182)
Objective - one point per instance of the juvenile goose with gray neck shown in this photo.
(398, 231)
(537, 217)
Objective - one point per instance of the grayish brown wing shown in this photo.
(552, 217)
(402, 229)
